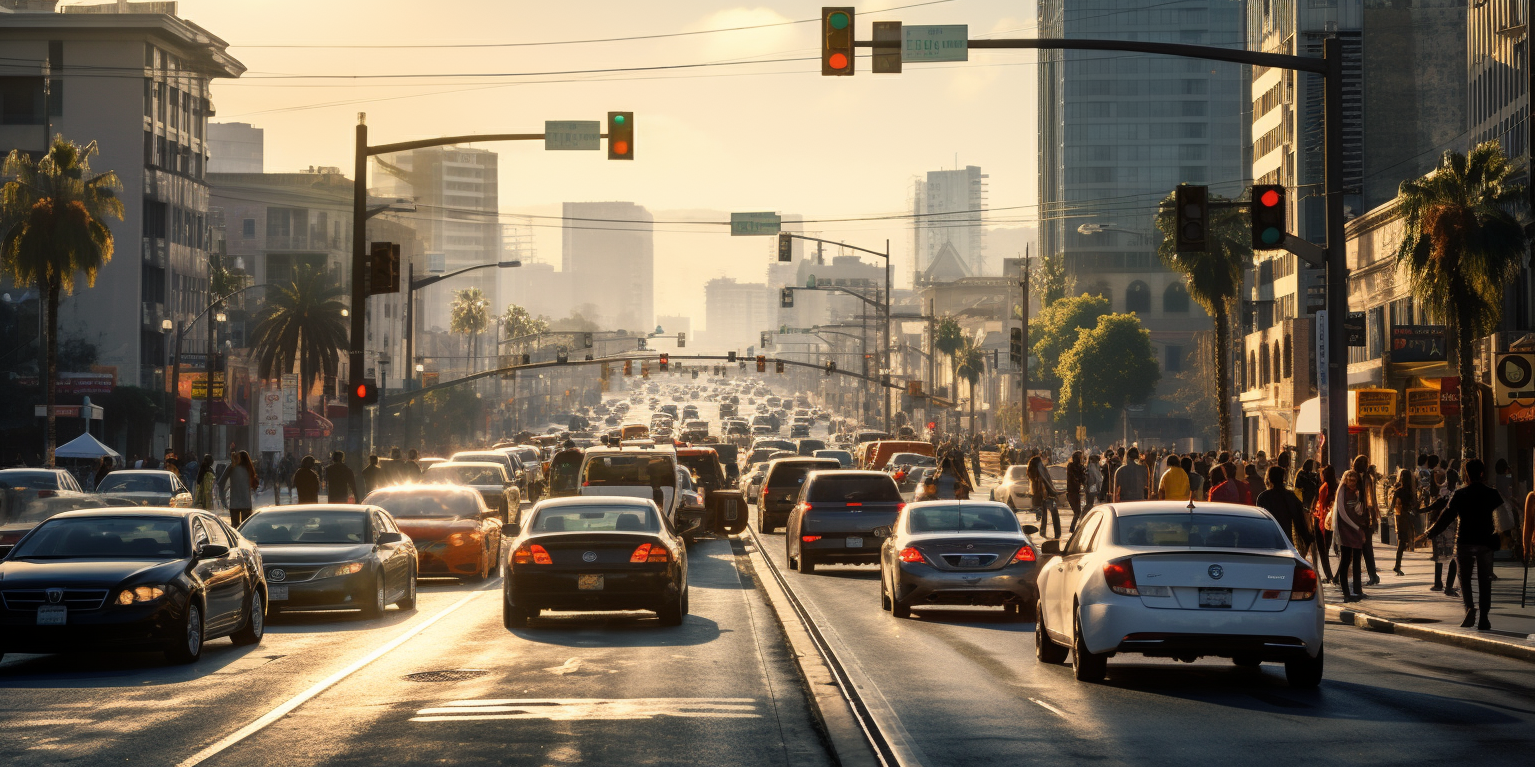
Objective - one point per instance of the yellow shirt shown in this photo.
(1174, 485)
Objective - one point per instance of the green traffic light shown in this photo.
(618, 119)
(838, 20)
(1271, 235)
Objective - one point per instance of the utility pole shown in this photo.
(1337, 262)
(1023, 370)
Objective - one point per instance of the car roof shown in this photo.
(141, 471)
(1133, 508)
(129, 511)
(594, 500)
(851, 473)
(432, 487)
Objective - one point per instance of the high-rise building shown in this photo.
(735, 313)
(151, 129)
(1498, 55)
(235, 148)
(608, 253)
(947, 208)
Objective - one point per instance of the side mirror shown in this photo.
(883, 531)
(1050, 548)
(211, 551)
(389, 537)
(1030, 529)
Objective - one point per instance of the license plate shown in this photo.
(52, 615)
(854, 543)
(277, 593)
(969, 561)
(589, 582)
(1215, 597)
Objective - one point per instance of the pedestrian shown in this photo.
(202, 487)
(1042, 495)
(1132, 481)
(1444, 548)
(372, 476)
(1308, 482)
(975, 462)
(1508, 523)
(1471, 511)
(171, 462)
(1367, 489)
(1286, 508)
(1404, 514)
(1094, 485)
(413, 467)
(1076, 480)
(242, 482)
(1174, 485)
(929, 491)
(306, 481)
(1321, 514)
(340, 483)
(1196, 482)
(1351, 525)
(102, 470)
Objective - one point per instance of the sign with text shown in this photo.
(77, 383)
(1374, 407)
(270, 421)
(1417, 343)
(1449, 396)
(573, 134)
(1354, 327)
(1423, 409)
(289, 397)
(948, 42)
(754, 224)
(200, 385)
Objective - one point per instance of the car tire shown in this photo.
(1045, 648)
(255, 623)
(898, 608)
(189, 646)
(672, 614)
(1085, 665)
(408, 602)
(513, 617)
(375, 608)
(885, 602)
(806, 564)
(1305, 673)
(480, 574)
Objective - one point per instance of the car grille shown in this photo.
(292, 573)
(982, 560)
(74, 599)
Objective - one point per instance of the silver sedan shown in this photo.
(958, 553)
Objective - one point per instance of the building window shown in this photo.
(21, 101)
(154, 219)
(1174, 362)
(1278, 362)
(1138, 298)
(1175, 300)
(248, 228)
(1288, 358)
(1252, 371)
(1263, 364)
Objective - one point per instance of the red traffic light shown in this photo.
(837, 41)
(366, 392)
(620, 135)
(665, 361)
(1269, 198)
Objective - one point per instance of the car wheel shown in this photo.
(1305, 673)
(898, 608)
(1087, 666)
(513, 617)
(255, 623)
(189, 646)
(376, 607)
(1247, 661)
(408, 602)
(884, 596)
(672, 614)
(1045, 648)
(806, 564)
(481, 573)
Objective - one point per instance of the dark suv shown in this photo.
(834, 520)
(781, 486)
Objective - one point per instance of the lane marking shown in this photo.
(298, 700)
(604, 709)
(1048, 707)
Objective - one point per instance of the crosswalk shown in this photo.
(569, 709)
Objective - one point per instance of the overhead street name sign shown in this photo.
(949, 42)
(572, 134)
(751, 224)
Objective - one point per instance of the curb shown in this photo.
(849, 744)
(1476, 642)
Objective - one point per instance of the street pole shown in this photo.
(889, 368)
(208, 388)
(176, 385)
(354, 407)
(1337, 264)
(1023, 369)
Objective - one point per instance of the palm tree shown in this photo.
(301, 323)
(969, 364)
(1461, 249)
(469, 314)
(1214, 280)
(52, 226)
(519, 322)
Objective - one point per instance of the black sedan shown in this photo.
(596, 553)
(958, 553)
(141, 579)
(334, 557)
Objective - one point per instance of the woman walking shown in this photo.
(1351, 523)
(242, 481)
(1042, 495)
(1321, 513)
(1404, 510)
(202, 488)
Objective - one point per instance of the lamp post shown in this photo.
(181, 330)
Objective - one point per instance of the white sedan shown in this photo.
(1165, 580)
(1014, 489)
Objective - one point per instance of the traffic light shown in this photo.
(367, 392)
(761, 363)
(1192, 216)
(682, 340)
(831, 367)
(837, 41)
(786, 298)
(620, 135)
(642, 343)
(628, 367)
(665, 361)
(730, 356)
(780, 367)
(1268, 216)
(785, 246)
(383, 268)
(1015, 347)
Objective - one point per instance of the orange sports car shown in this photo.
(455, 533)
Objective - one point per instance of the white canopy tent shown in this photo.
(85, 446)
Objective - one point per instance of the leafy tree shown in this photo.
(1049, 281)
(1461, 249)
(1110, 366)
(948, 339)
(1054, 330)
(469, 314)
(518, 322)
(1214, 280)
(301, 323)
(969, 364)
(52, 227)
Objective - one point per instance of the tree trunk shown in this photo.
(51, 344)
(972, 409)
(1223, 376)
(1468, 413)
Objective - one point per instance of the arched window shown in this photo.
(1138, 298)
(1278, 363)
(1252, 371)
(1263, 364)
(1175, 300)
(1287, 357)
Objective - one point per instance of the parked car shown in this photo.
(455, 533)
(334, 557)
(146, 487)
(958, 553)
(110, 580)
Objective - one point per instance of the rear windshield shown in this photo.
(500, 458)
(1017, 472)
(1217, 531)
(134, 483)
(962, 517)
(334, 526)
(607, 519)
(425, 504)
(854, 489)
(29, 480)
(463, 475)
(793, 474)
(629, 470)
(913, 459)
(104, 538)
(707, 466)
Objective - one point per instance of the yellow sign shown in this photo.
(1374, 407)
(1423, 409)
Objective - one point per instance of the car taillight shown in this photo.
(805, 506)
(1121, 577)
(810, 538)
(899, 507)
(910, 554)
(1303, 585)
(1025, 554)
(534, 554)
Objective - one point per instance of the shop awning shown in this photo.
(310, 424)
(225, 414)
(1309, 420)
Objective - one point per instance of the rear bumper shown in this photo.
(633, 590)
(925, 584)
(832, 547)
(1123, 624)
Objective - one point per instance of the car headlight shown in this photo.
(345, 568)
(140, 594)
(462, 539)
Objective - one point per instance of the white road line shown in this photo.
(589, 709)
(324, 684)
(1048, 707)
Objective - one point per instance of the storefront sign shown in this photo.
(199, 385)
(1374, 407)
(1423, 409)
(1449, 396)
(289, 397)
(1417, 343)
(270, 440)
(1513, 378)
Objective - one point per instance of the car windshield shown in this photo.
(29, 480)
(629, 470)
(856, 489)
(422, 503)
(913, 459)
(104, 538)
(1219, 531)
(607, 519)
(325, 526)
(961, 517)
(463, 475)
(134, 483)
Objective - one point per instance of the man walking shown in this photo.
(340, 483)
(1132, 482)
(1174, 485)
(1472, 506)
(1076, 480)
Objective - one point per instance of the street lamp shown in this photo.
(412, 285)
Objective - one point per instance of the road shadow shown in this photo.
(125, 669)
(989, 618)
(617, 629)
(845, 572)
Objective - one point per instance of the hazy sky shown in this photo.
(754, 136)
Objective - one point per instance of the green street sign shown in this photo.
(572, 134)
(949, 42)
(754, 224)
